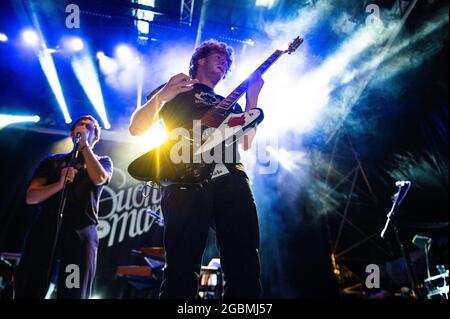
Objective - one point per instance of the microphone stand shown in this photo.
(391, 213)
(62, 205)
(391, 218)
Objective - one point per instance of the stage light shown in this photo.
(265, 3)
(30, 37)
(100, 54)
(123, 71)
(106, 64)
(143, 39)
(86, 73)
(7, 119)
(124, 53)
(143, 26)
(49, 50)
(50, 291)
(3, 37)
(155, 136)
(75, 44)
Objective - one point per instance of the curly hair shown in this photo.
(97, 127)
(205, 49)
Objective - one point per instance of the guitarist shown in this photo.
(227, 203)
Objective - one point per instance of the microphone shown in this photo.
(76, 141)
(402, 183)
(77, 138)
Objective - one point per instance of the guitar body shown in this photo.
(227, 128)
(156, 165)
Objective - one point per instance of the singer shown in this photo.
(82, 175)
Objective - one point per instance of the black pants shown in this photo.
(228, 204)
(76, 247)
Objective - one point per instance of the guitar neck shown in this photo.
(234, 96)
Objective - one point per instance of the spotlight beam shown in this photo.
(84, 69)
(3, 37)
(7, 119)
(46, 61)
(48, 66)
(30, 37)
(379, 59)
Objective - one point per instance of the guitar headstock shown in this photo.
(294, 45)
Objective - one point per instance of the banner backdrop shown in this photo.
(129, 218)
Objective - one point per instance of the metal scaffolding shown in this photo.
(347, 193)
(186, 12)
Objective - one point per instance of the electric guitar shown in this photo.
(220, 126)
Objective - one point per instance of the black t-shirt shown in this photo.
(83, 195)
(192, 105)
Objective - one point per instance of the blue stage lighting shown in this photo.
(30, 37)
(265, 3)
(7, 119)
(48, 66)
(124, 53)
(86, 73)
(3, 37)
(34, 37)
(106, 64)
(75, 44)
(143, 26)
